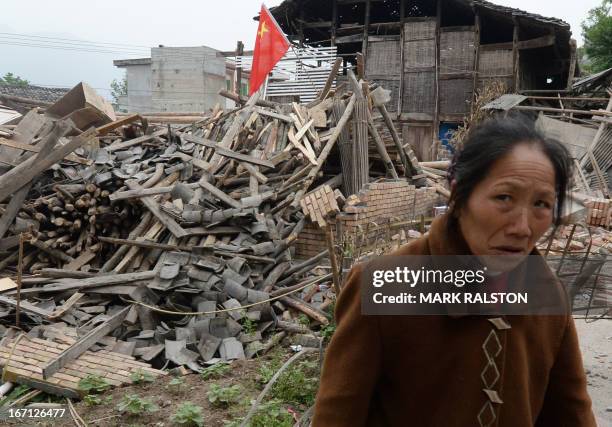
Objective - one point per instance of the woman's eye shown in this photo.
(503, 197)
(543, 204)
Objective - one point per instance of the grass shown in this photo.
(297, 386)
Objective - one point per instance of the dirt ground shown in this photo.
(595, 341)
(596, 344)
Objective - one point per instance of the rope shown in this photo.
(80, 422)
(8, 359)
(242, 307)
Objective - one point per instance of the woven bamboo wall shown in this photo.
(456, 95)
(383, 58)
(495, 62)
(418, 95)
(420, 28)
(383, 66)
(457, 51)
(495, 65)
(419, 53)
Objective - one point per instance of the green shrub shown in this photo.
(139, 376)
(223, 396)
(94, 384)
(134, 405)
(215, 371)
(297, 386)
(188, 414)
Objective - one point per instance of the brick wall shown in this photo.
(378, 203)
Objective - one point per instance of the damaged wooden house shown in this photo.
(433, 55)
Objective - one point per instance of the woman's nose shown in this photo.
(519, 223)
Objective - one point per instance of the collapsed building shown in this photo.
(433, 55)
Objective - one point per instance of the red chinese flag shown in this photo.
(270, 46)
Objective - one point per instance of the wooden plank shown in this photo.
(83, 344)
(136, 141)
(274, 115)
(20, 175)
(226, 152)
(164, 218)
(81, 260)
(103, 130)
(94, 282)
(25, 306)
(220, 194)
(70, 302)
(36, 149)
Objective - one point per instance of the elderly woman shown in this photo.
(508, 187)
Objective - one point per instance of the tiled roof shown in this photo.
(36, 93)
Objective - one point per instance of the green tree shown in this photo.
(13, 80)
(119, 88)
(597, 33)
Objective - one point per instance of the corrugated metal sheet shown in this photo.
(505, 102)
(303, 72)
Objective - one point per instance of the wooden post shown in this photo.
(19, 276)
(476, 56)
(400, 98)
(366, 27)
(334, 22)
(329, 236)
(238, 82)
(515, 55)
(572, 64)
(436, 122)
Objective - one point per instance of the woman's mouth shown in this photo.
(509, 250)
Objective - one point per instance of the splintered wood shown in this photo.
(23, 361)
(174, 236)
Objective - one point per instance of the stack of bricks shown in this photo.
(377, 204)
(599, 212)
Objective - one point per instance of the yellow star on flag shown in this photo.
(263, 29)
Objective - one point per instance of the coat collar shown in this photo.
(444, 242)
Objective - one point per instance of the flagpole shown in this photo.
(265, 90)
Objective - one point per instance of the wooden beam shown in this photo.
(572, 65)
(36, 149)
(20, 175)
(547, 40)
(436, 121)
(83, 344)
(515, 55)
(226, 152)
(334, 21)
(136, 141)
(366, 28)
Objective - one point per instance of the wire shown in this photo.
(77, 40)
(65, 48)
(70, 44)
(242, 307)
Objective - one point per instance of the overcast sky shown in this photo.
(126, 28)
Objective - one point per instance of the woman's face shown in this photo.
(511, 208)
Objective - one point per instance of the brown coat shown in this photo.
(426, 370)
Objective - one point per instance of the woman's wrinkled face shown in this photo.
(511, 208)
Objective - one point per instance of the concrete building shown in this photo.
(181, 79)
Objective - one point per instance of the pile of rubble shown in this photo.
(158, 245)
